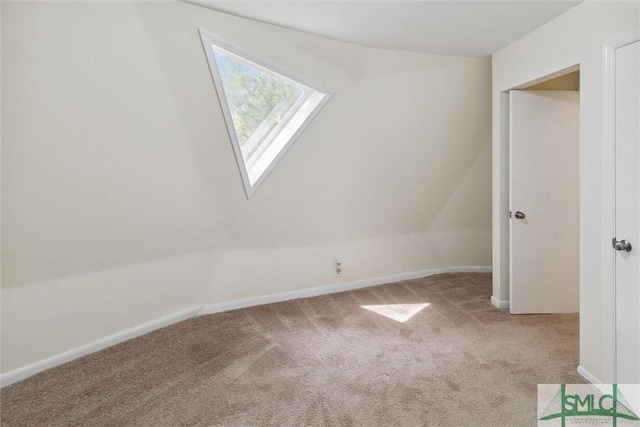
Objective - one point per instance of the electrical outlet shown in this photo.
(337, 265)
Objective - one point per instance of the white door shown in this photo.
(544, 202)
(627, 260)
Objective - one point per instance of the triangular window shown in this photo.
(265, 111)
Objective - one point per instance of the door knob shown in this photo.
(520, 215)
(622, 245)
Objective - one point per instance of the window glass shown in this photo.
(265, 111)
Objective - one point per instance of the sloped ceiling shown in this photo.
(467, 28)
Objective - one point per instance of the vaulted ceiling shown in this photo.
(469, 28)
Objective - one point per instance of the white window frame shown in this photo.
(259, 165)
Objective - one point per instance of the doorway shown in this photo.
(544, 196)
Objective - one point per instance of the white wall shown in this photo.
(574, 38)
(122, 201)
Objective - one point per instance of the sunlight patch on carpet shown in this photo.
(397, 312)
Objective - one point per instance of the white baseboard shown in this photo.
(588, 375)
(338, 287)
(501, 304)
(24, 372)
(471, 269)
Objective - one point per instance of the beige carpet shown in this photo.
(319, 361)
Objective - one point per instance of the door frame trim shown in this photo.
(608, 205)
